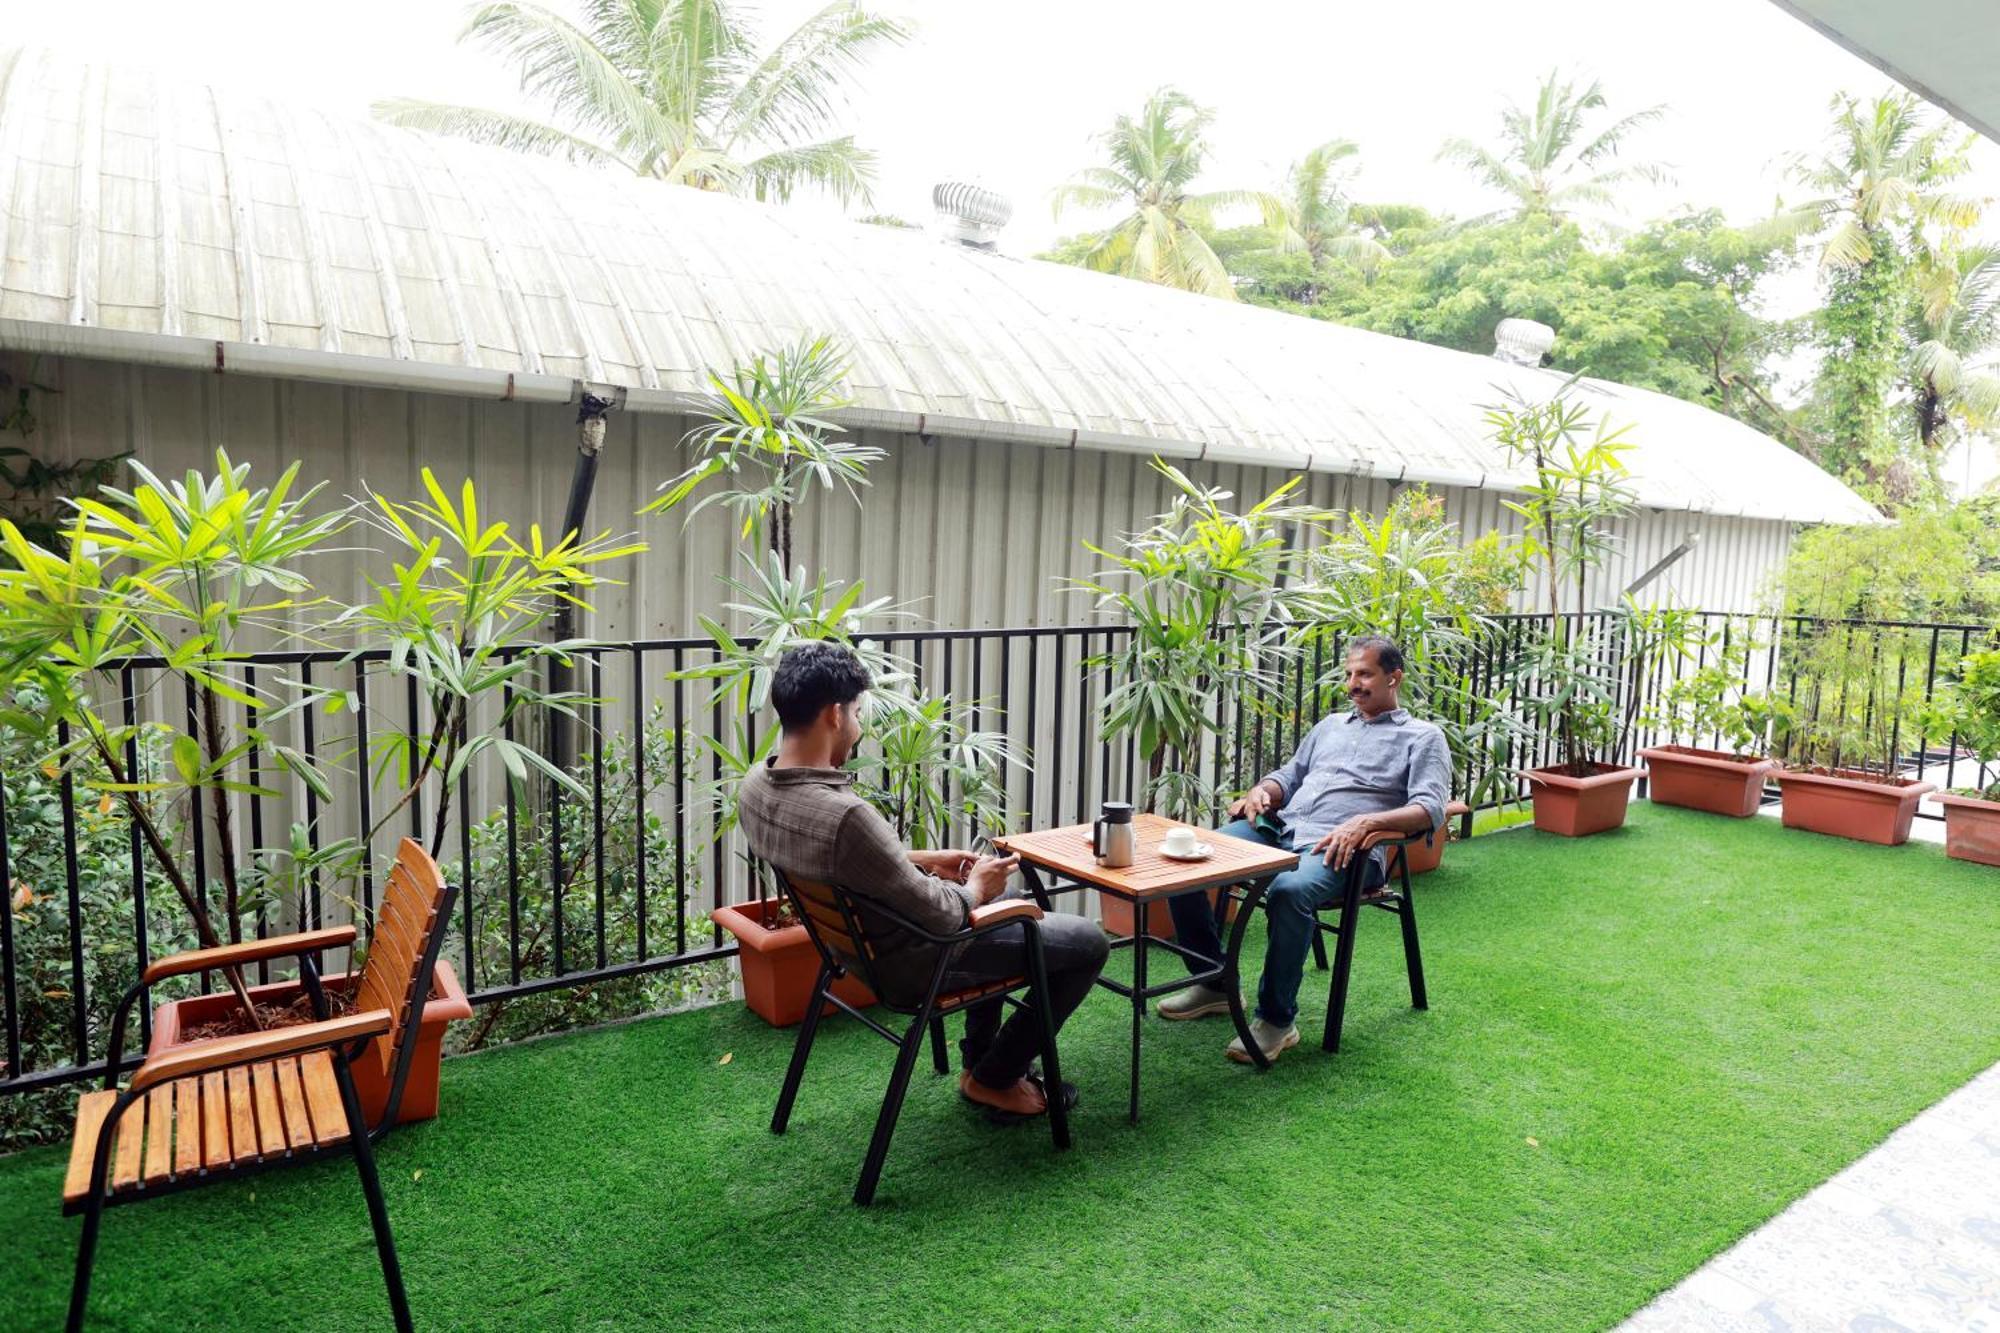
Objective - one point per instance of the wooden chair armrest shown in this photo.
(202, 1057)
(1013, 909)
(249, 951)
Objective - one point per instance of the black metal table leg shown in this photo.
(1232, 975)
(1138, 995)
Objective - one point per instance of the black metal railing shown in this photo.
(568, 894)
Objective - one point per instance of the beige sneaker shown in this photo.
(1194, 1002)
(1274, 1041)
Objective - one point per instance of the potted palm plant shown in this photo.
(1967, 709)
(1409, 575)
(1841, 776)
(1203, 589)
(1578, 486)
(1712, 701)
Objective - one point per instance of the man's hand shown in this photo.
(1254, 803)
(988, 877)
(950, 863)
(1340, 845)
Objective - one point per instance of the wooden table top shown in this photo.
(1066, 851)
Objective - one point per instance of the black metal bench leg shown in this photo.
(1319, 946)
(892, 1106)
(938, 1056)
(1343, 962)
(86, 1259)
(371, 1186)
(1413, 954)
(796, 1071)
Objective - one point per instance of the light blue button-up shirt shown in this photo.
(1348, 766)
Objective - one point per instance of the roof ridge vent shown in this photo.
(971, 214)
(1522, 342)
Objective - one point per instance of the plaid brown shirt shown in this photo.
(811, 823)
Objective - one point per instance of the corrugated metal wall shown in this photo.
(977, 534)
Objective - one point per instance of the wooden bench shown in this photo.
(227, 1107)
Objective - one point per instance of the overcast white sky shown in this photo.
(1011, 93)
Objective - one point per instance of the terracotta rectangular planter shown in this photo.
(1971, 829)
(1850, 804)
(371, 1072)
(1711, 780)
(1117, 917)
(1575, 807)
(780, 967)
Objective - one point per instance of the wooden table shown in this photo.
(1243, 869)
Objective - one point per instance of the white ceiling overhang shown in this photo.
(1946, 51)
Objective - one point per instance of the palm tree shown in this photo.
(1319, 218)
(1878, 187)
(1152, 161)
(1957, 326)
(676, 90)
(1543, 159)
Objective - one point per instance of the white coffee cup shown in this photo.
(1180, 841)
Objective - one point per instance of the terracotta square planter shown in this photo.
(1711, 780)
(1575, 807)
(371, 1072)
(1850, 804)
(1971, 829)
(780, 966)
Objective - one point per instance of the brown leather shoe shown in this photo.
(1023, 1100)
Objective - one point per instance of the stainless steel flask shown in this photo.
(1113, 840)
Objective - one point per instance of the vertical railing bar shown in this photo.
(597, 789)
(639, 796)
(139, 931)
(513, 838)
(310, 745)
(66, 786)
(364, 785)
(255, 776)
(9, 991)
(1055, 735)
(414, 715)
(1035, 751)
(680, 804)
(467, 890)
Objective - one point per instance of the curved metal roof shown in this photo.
(155, 222)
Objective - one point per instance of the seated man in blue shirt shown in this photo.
(1356, 773)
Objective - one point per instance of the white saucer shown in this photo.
(1202, 851)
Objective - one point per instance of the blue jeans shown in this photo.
(1288, 920)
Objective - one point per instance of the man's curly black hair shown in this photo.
(813, 675)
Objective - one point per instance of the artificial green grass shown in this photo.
(1640, 1046)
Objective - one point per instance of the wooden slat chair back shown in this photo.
(834, 922)
(229, 1106)
(397, 973)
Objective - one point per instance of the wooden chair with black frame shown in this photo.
(838, 933)
(227, 1107)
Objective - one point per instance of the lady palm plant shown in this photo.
(677, 90)
(768, 438)
(1203, 590)
(1408, 575)
(459, 615)
(179, 570)
(1578, 487)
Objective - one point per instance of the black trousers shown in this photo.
(1073, 950)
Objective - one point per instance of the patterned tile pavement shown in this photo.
(1906, 1239)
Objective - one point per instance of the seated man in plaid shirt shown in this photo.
(800, 812)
